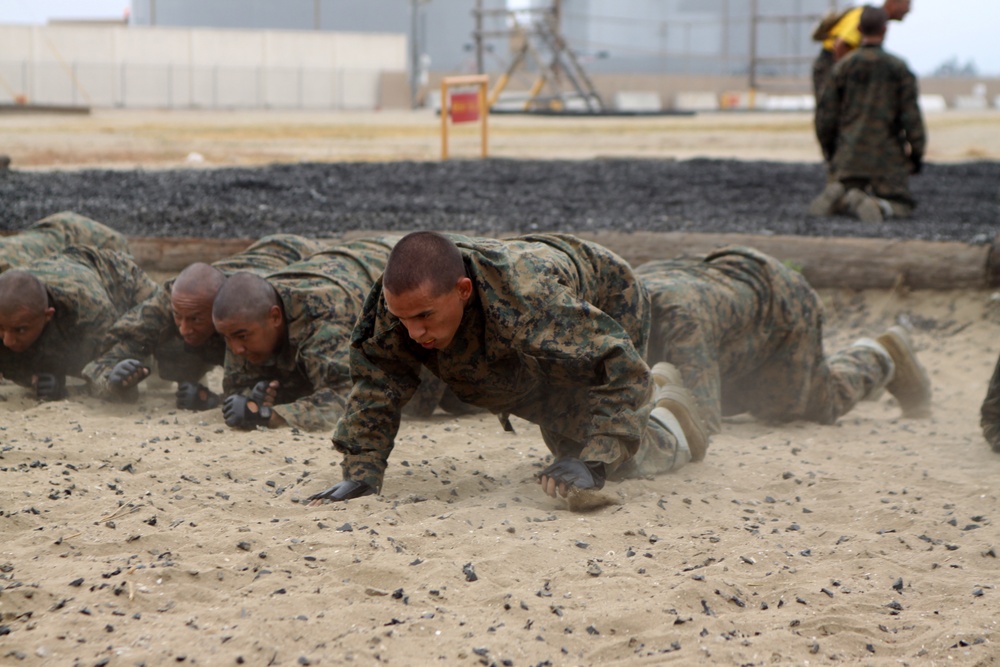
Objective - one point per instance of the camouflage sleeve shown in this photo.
(910, 117)
(826, 119)
(385, 377)
(574, 344)
(990, 411)
(134, 336)
(323, 359)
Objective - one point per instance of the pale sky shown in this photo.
(934, 31)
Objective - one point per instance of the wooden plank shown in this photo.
(856, 263)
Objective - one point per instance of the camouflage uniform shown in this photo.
(990, 411)
(746, 332)
(322, 298)
(554, 333)
(866, 121)
(50, 235)
(149, 329)
(89, 290)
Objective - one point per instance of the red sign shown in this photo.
(464, 107)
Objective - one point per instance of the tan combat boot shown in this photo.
(863, 206)
(828, 201)
(671, 395)
(910, 383)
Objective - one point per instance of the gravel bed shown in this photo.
(959, 202)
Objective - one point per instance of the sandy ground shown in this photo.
(128, 139)
(143, 535)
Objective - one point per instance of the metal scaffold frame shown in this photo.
(536, 39)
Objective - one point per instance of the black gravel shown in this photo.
(956, 201)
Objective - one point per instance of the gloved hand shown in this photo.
(127, 373)
(194, 396)
(341, 491)
(570, 472)
(916, 163)
(259, 393)
(50, 387)
(241, 412)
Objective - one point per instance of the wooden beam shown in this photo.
(855, 263)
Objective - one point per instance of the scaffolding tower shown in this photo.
(538, 49)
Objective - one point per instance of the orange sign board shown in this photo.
(464, 107)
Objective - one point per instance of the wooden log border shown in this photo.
(854, 263)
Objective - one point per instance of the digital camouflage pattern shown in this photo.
(322, 298)
(555, 334)
(990, 411)
(148, 329)
(869, 124)
(89, 290)
(50, 235)
(746, 332)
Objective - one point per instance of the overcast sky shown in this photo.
(935, 31)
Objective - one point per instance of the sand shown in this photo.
(140, 534)
(145, 535)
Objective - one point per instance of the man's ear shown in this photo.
(464, 286)
(275, 316)
(49, 312)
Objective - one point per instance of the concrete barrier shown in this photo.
(932, 103)
(696, 101)
(971, 102)
(639, 101)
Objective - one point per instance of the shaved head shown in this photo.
(24, 310)
(199, 280)
(421, 258)
(873, 21)
(22, 290)
(191, 297)
(244, 297)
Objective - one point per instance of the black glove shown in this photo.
(50, 387)
(574, 472)
(259, 392)
(343, 491)
(194, 396)
(916, 163)
(241, 412)
(120, 376)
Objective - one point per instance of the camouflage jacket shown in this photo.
(322, 298)
(50, 235)
(868, 120)
(537, 326)
(148, 329)
(89, 290)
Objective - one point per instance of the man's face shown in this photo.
(897, 9)
(255, 340)
(193, 317)
(21, 327)
(432, 321)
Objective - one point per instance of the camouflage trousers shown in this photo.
(50, 235)
(270, 253)
(746, 332)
